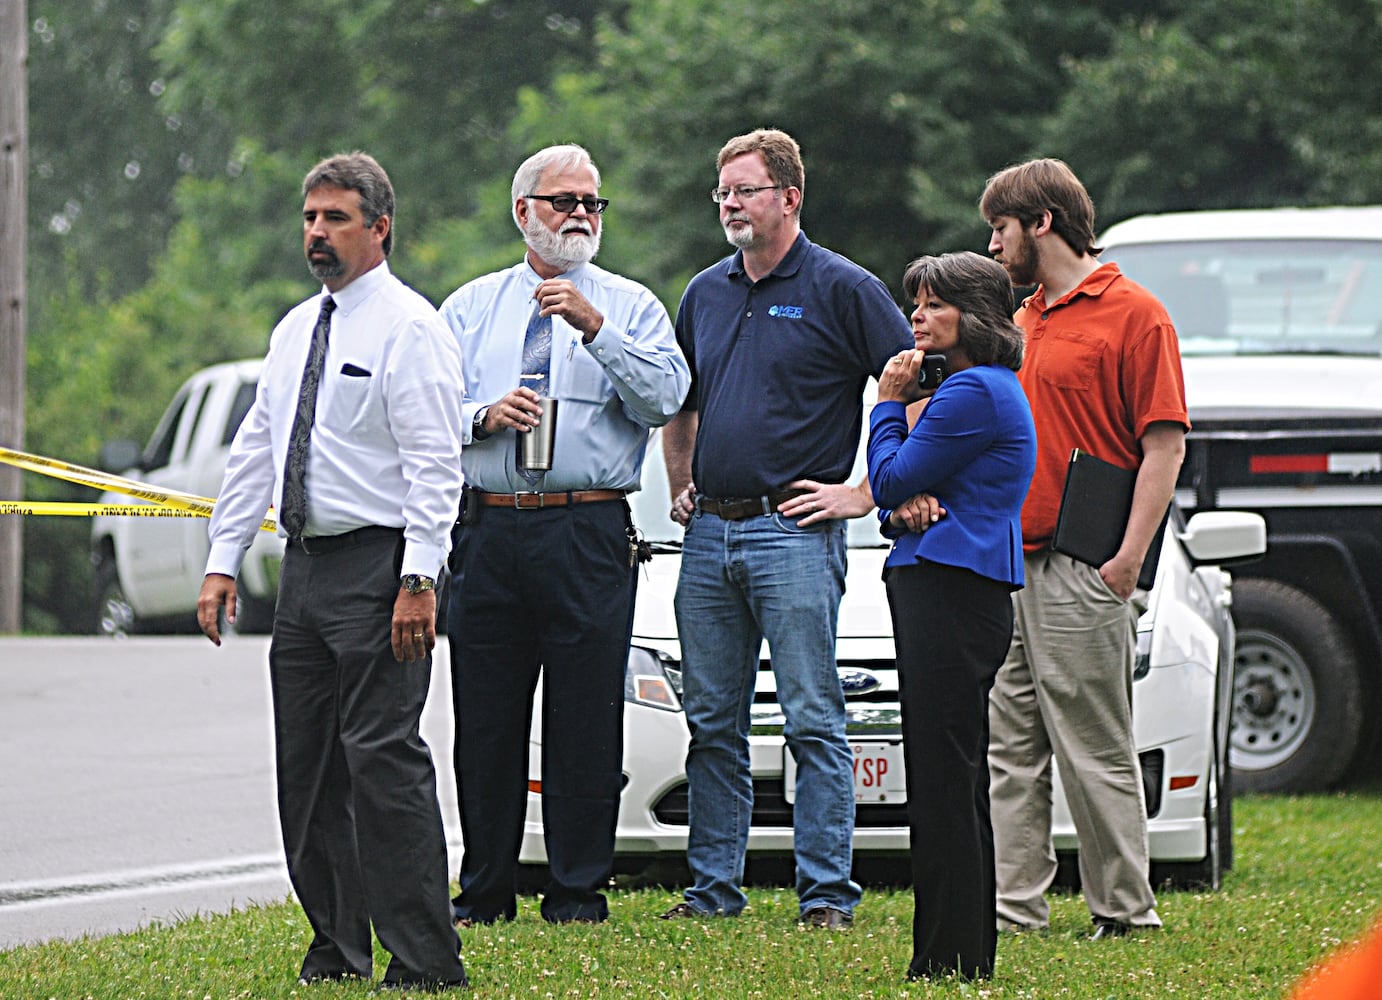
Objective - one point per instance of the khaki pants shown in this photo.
(1066, 689)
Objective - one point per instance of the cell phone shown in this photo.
(934, 369)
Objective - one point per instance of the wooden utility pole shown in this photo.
(14, 165)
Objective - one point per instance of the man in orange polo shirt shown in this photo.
(1102, 374)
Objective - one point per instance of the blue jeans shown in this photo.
(742, 581)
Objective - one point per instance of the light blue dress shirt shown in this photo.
(630, 378)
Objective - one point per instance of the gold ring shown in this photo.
(418, 635)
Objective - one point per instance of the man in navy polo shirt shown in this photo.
(781, 337)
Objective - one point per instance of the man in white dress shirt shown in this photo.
(544, 567)
(366, 483)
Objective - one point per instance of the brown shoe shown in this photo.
(682, 909)
(827, 918)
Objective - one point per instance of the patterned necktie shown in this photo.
(536, 371)
(293, 515)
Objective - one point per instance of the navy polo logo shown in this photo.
(785, 312)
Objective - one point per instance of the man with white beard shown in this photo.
(544, 569)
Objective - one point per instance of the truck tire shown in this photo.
(1297, 691)
(114, 617)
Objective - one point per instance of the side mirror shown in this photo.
(1225, 537)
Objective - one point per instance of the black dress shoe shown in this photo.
(422, 985)
(1109, 929)
(331, 976)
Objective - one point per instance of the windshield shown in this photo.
(1265, 296)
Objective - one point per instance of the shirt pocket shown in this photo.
(584, 379)
(1072, 360)
(348, 405)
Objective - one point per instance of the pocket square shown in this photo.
(354, 371)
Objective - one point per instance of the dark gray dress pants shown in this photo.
(357, 792)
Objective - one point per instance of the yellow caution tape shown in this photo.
(161, 501)
(98, 479)
(69, 509)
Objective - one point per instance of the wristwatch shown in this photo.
(414, 583)
(477, 426)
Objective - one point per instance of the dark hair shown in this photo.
(779, 151)
(360, 172)
(980, 288)
(1028, 189)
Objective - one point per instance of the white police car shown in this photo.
(1181, 696)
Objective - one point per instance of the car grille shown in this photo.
(871, 700)
(771, 808)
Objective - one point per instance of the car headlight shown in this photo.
(1143, 664)
(652, 679)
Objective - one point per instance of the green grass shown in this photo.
(1308, 877)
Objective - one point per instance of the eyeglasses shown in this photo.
(718, 195)
(568, 202)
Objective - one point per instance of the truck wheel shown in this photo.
(114, 616)
(1297, 691)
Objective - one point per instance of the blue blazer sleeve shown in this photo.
(974, 449)
(956, 427)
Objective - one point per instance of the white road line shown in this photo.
(141, 881)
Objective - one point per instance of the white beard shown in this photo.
(741, 236)
(563, 251)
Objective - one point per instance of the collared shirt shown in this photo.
(780, 366)
(1102, 365)
(630, 378)
(386, 444)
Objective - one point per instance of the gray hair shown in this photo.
(561, 158)
(360, 172)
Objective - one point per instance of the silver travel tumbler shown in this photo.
(535, 447)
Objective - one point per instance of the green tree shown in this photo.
(1235, 104)
(902, 111)
(104, 152)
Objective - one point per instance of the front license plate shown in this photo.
(878, 773)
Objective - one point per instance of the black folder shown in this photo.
(1094, 510)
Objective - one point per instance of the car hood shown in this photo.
(865, 627)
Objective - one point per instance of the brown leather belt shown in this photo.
(538, 501)
(738, 510)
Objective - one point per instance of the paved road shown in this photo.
(136, 782)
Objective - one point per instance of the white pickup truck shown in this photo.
(149, 569)
(1279, 313)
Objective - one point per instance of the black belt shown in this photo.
(322, 544)
(738, 510)
(537, 501)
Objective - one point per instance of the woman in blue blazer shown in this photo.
(949, 584)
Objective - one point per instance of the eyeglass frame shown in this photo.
(583, 200)
(744, 192)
